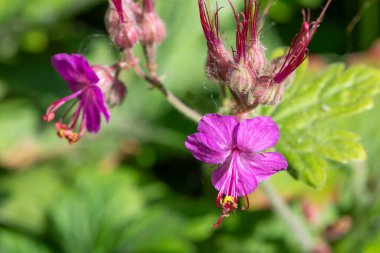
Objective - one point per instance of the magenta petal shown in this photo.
(93, 106)
(101, 103)
(205, 148)
(264, 165)
(75, 70)
(220, 128)
(84, 68)
(232, 176)
(257, 134)
(93, 119)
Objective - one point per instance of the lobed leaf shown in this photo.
(307, 114)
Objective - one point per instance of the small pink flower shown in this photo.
(87, 95)
(237, 147)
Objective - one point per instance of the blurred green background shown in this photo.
(134, 187)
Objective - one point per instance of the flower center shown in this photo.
(231, 188)
(228, 204)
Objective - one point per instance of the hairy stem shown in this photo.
(181, 107)
(170, 97)
(295, 225)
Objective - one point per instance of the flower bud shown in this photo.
(267, 92)
(218, 64)
(113, 89)
(116, 94)
(153, 29)
(104, 74)
(122, 27)
(256, 57)
(240, 83)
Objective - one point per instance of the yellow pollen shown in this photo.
(73, 137)
(60, 133)
(229, 200)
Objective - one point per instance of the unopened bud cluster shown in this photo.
(251, 79)
(129, 22)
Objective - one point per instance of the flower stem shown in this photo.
(181, 107)
(170, 97)
(295, 225)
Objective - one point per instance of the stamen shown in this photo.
(48, 117)
(65, 132)
(73, 137)
(216, 225)
(246, 198)
(69, 109)
(228, 204)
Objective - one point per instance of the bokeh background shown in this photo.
(134, 187)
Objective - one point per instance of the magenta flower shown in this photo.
(238, 148)
(89, 100)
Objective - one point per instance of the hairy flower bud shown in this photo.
(241, 83)
(121, 24)
(113, 89)
(116, 94)
(267, 92)
(219, 60)
(153, 29)
(256, 57)
(218, 64)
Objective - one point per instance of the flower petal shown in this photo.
(232, 177)
(93, 105)
(205, 149)
(222, 129)
(101, 103)
(257, 134)
(264, 165)
(75, 70)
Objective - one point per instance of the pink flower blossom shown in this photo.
(237, 147)
(87, 95)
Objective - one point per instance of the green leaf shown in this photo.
(91, 216)
(307, 114)
(15, 243)
(27, 196)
